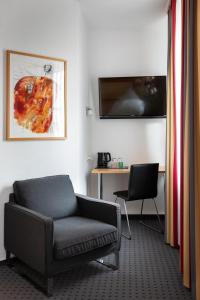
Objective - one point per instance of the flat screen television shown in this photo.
(132, 97)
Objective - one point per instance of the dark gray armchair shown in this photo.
(50, 229)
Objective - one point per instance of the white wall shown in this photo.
(137, 51)
(52, 28)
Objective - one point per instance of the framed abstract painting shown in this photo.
(36, 97)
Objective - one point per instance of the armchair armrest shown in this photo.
(28, 235)
(100, 210)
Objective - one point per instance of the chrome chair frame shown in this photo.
(161, 230)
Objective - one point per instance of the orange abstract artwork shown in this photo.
(33, 102)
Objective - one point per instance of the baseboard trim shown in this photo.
(3, 262)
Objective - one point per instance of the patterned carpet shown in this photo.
(149, 269)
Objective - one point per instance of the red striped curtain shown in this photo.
(185, 146)
(190, 213)
(189, 144)
(171, 164)
(195, 227)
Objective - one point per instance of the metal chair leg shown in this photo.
(117, 259)
(142, 208)
(115, 266)
(49, 287)
(9, 259)
(151, 227)
(127, 219)
(159, 221)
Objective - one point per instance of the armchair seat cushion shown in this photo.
(77, 235)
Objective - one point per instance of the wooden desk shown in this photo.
(100, 173)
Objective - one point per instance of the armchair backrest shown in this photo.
(52, 196)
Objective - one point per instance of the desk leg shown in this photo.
(100, 186)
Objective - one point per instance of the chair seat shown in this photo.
(121, 194)
(77, 235)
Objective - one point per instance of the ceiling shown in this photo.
(122, 13)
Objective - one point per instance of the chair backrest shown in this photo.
(143, 181)
(51, 196)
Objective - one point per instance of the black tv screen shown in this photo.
(132, 97)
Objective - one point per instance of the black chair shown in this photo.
(142, 185)
(50, 229)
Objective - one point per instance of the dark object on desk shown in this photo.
(143, 180)
(50, 229)
(103, 159)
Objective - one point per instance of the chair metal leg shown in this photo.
(127, 219)
(159, 221)
(117, 259)
(115, 266)
(8, 259)
(142, 207)
(151, 227)
(49, 287)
